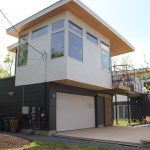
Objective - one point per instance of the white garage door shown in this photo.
(74, 112)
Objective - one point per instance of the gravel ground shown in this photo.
(76, 141)
(8, 141)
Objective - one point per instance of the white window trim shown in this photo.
(80, 36)
(54, 32)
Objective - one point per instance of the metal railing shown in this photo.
(126, 75)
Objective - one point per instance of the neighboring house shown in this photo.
(137, 80)
(122, 107)
(63, 67)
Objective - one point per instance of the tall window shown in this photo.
(75, 46)
(39, 32)
(105, 57)
(57, 39)
(22, 54)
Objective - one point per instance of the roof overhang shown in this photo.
(13, 48)
(118, 45)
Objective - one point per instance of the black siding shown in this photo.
(10, 105)
(28, 95)
(41, 95)
(99, 111)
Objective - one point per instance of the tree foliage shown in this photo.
(9, 62)
(6, 70)
(4, 73)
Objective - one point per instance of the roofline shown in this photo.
(38, 14)
(13, 47)
(62, 2)
(103, 22)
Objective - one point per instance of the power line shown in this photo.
(19, 33)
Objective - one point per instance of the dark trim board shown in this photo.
(99, 111)
(35, 96)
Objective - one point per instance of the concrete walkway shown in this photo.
(114, 134)
(74, 141)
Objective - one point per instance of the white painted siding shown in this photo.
(89, 71)
(34, 71)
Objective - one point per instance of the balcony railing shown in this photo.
(127, 76)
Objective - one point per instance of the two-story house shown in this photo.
(63, 65)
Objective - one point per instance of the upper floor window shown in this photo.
(105, 57)
(22, 54)
(57, 39)
(75, 28)
(24, 38)
(92, 38)
(58, 25)
(75, 45)
(39, 32)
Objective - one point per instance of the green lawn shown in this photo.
(125, 122)
(121, 122)
(36, 145)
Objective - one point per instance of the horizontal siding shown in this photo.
(28, 95)
(34, 72)
(5, 82)
(57, 69)
(89, 71)
(10, 105)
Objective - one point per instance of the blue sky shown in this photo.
(131, 18)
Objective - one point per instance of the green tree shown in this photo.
(3, 72)
(9, 62)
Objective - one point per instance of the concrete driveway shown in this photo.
(114, 134)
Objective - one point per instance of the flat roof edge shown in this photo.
(61, 3)
(104, 23)
(38, 14)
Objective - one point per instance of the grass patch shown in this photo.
(121, 122)
(39, 145)
(125, 122)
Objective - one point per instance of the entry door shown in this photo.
(108, 111)
(74, 112)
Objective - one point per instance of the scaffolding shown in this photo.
(126, 81)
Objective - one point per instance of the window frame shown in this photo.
(57, 31)
(81, 35)
(108, 52)
(76, 34)
(36, 30)
(92, 36)
(21, 38)
(18, 51)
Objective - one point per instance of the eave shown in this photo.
(13, 48)
(118, 45)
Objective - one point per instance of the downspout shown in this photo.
(128, 103)
(116, 110)
(45, 88)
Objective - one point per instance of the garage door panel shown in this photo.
(74, 112)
